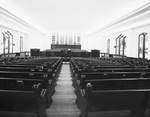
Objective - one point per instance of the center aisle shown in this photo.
(64, 97)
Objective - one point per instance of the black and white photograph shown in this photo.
(74, 58)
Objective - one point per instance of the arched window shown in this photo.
(10, 41)
(117, 45)
(21, 44)
(3, 43)
(121, 45)
(6, 42)
(143, 45)
(108, 46)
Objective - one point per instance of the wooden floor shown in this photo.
(64, 97)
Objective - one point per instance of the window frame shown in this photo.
(143, 45)
(118, 45)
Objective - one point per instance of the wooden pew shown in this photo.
(128, 76)
(114, 70)
(21, 83)
(78, 69)
(24, 74)
(121, 61)
(112, 84)
(49, 70)
(25, 69)
(108, 75)
(25, 83)
(115, 98)
(29, 67)
(16, 65)
(36, 64)
(111, 75)
(117, 83)
(108, 70)
(46, 79)
(96, 64)
(23, 103)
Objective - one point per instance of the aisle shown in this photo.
(64, 98)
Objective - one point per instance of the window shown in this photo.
(3, 43)
(143, 45)
(108, 46)
(6, 43)
(117, 45)
(120, 45)
(21, 44)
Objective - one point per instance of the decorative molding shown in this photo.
(127, 18)
(12, 29)
(18, 20)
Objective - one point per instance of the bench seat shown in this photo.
(24, 101)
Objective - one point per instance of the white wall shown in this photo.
(131, 40)
(93, 42)
(131, 26)
(30, 41)
(16, 38)
(39, 41)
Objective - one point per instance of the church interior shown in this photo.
(74, 58)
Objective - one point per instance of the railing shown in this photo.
(16, 54)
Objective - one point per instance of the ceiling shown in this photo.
(79, 16)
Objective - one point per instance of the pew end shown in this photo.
(135, 100)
